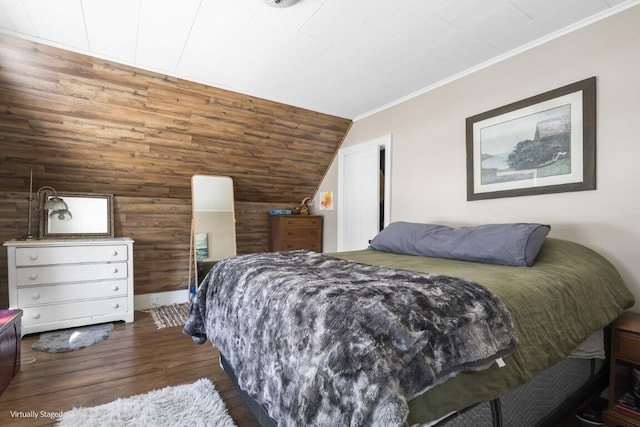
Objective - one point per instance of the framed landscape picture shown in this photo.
(543, 144)
(202, 246)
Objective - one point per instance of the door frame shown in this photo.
(381, 142)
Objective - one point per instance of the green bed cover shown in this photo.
(569, 293)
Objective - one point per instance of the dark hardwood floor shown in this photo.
(136, 358)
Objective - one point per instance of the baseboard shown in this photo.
(147, 301)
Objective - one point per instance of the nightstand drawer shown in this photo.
(628, 347)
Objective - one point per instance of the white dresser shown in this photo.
(71, 282)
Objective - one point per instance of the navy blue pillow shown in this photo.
(514, 244)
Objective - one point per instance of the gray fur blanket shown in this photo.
(328, 342)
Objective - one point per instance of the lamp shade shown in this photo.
(55, 203)
(61, 215)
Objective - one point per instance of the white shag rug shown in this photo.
(197, 404)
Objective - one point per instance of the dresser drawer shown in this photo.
(628, 347)
(70, 254)
(300, 233)
(38, 295)
(301, 221)
(294, 245)
(73, 310)
(70, 273)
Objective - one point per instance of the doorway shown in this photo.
(364, 189)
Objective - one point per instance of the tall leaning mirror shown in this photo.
(213, 221)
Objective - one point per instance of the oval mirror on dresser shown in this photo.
(214, 228)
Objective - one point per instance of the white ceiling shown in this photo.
(347, 58)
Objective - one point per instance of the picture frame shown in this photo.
(202, 245)
(539, 145)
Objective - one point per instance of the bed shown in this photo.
(510, 369)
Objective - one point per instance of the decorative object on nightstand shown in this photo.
(293, 232)
(624, 379)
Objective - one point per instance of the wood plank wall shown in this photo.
(88, 125)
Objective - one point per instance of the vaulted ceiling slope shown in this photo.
(346, 58)
(85, 124)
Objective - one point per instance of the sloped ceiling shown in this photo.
(345, 58)
(90, 125)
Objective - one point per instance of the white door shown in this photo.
(359, 192)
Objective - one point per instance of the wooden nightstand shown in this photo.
(625, 355)
(293, 232)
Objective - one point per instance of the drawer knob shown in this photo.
(114, 253)
(115, 288)
(115, 270)
(33, 257)
(36, 315)
(35, 296)
(33, 276)
(116, 305)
